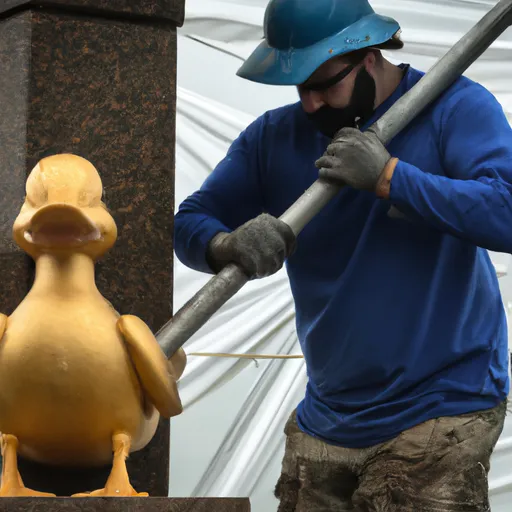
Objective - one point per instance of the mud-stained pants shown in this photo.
(438, 466)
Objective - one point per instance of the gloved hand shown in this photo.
(259, 246)
(354, 158)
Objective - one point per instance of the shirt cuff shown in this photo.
(208, 229)
(403, 183)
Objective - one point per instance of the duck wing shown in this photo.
(3, 325)
(155, 374)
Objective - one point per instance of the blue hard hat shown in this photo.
(300, 35)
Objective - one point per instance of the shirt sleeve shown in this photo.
(229, 197)
(471, 198)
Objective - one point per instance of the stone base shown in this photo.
(125, 504)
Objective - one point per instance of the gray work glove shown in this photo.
(354, 158)
(259, 246)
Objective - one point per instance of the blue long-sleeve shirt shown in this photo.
(400, 319)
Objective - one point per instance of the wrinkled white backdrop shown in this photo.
(229, 441)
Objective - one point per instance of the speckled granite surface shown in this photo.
(103, 89)
(14, 82)
(125, 505)
(172, 10)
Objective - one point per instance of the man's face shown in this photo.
(329, 85)
(339, 94)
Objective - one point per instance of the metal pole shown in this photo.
(198, 310)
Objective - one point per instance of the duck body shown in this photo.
(68, 382)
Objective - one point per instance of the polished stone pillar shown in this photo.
(96, 78)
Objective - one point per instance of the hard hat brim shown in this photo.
(294, 66)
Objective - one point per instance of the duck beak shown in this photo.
(61, 224)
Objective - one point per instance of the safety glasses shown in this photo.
(329, 82)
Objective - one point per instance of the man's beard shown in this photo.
(330, 120)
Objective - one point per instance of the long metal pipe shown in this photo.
(207, 301)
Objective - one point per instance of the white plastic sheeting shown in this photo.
(229, 441)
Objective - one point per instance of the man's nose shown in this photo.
(311, 101)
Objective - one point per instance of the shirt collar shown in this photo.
(404, 85)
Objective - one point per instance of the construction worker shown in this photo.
(398, 308)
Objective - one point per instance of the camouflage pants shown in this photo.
(438, 466)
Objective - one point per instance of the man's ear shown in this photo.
(371, 59)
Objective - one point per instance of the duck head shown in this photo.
(63, 212)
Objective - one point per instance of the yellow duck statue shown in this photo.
(80, 384)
